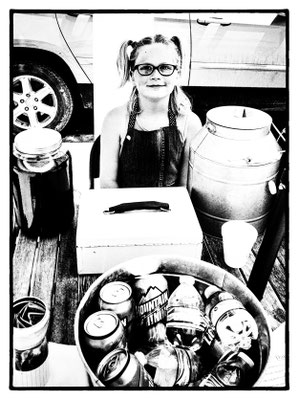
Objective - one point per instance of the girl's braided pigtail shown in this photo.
(123, 62)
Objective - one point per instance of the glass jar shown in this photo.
(42, 182)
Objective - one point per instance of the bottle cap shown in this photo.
(210, 290)
(140, 357)
(187, 279)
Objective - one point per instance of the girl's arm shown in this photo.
(193, 127)
(110, 143)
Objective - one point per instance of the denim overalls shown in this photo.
(151, 158)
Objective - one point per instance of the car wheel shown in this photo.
(41, 98)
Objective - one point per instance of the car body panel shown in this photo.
(29, 33)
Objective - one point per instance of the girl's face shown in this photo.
(156, 86)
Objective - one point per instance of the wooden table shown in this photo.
(47, 268)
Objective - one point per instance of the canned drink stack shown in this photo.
(151, 297)
(119, 368)
(103, 332)
(117, 296)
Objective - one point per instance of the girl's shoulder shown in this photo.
(191, 124)
(117, 114)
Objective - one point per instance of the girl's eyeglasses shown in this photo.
(148, 69)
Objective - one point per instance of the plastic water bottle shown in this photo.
(186, 323)
(171, 366)
(235, 326)
(230, 371)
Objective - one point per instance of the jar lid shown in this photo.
(37, 141)
(239, 117)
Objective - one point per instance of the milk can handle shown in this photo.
(211, 128)
(272, 187)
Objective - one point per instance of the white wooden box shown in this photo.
(104, 240)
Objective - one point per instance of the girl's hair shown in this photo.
(127, 56)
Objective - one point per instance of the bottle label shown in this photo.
(211, 381)
(185, 317)
(222, 307)
(184, 370)
(151, 308)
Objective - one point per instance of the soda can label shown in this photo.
(152, 299)
(120, 368)
(104, 331)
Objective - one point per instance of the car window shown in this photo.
(245, 49)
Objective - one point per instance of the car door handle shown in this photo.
(213, 20)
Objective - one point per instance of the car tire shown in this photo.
(41, 97)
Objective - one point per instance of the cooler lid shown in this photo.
(37, 141)
(239, 117)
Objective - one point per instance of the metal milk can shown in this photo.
(233, 165)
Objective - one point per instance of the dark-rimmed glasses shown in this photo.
(148, 69)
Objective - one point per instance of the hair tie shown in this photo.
(130, 47)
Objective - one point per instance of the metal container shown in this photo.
(117, 297)
(233, 164)
(103, 332)
(119, 368)
(172, 267)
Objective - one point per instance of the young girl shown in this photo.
(145, 143)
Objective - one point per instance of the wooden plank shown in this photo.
(84, 282)
(22, 265)
(277, 277)
(44, 270)
(65, 295)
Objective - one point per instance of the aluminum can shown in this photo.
(103, 332)
(117, 296)
(151, 297)
(119, 368)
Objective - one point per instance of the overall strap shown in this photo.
(133, 115)
(171, 117)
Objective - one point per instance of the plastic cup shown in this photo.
(30, 355)
(238, 239)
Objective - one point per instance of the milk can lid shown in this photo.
(239, 117)
(36, 141)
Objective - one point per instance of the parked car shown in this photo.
(52, 56)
